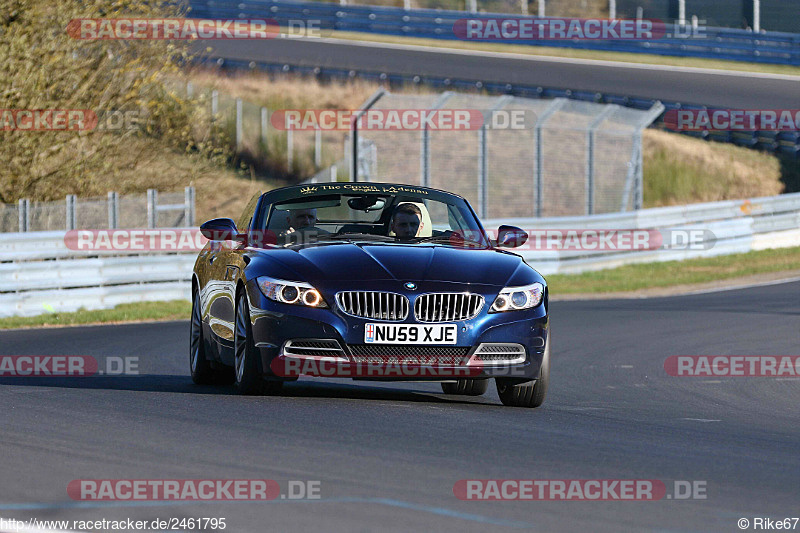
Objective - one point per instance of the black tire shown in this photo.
(199, 365)
(528, 394)
(248, 378)
(466, 387)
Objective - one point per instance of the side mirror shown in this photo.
(219, 229)
(510, 237)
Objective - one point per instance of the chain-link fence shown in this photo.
(564, 157)
(151, 210)
(250, 129)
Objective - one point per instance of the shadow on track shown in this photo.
(184, 385)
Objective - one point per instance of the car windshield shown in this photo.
(376, 217)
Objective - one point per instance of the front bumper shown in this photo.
(275, 323)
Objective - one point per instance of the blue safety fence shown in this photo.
(787, 142)
(681, 41)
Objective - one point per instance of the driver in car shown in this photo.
(302, 226)
(299, 219)
(406, 221)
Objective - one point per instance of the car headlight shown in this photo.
(516, 298)
(290, 292)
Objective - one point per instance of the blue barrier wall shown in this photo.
(714, 43)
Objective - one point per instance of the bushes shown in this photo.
(47, 69)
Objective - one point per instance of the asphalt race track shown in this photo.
(387, 456)
(735, 90)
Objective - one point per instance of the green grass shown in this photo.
(649, 59)
(134, 312)
(672, 273)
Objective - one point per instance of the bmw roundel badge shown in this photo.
(410, 286)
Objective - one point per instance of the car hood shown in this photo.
(369, 261)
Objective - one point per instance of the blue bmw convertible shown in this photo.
(368, 281)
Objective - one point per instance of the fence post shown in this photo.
(354, 151)
(538, 175)
(238, 124)
(639, 197)
(590, 155)
(483, 157)
(113, 210)
(377, 95)
(264, 127)
(682, 12)
(188, 206)
(289, 149)
(71, 214)
(425, 149)
(757, 16)
(317, 148)
(612, 9)
(24, 212)
(472, 6)
(152, 214)
(541, 8)
(334, 173)
(483, 172)
(214, 103)
(523, 5)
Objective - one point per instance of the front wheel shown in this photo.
(531, 393)
(200, 367)
(248, 380)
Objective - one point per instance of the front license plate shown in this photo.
(410, 334)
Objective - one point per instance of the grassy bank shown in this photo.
(134, 312)
(674, 273)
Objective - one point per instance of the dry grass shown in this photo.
(680, 169)
(286, 93)
(146, 163)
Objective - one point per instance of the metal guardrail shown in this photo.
(737, 226)
(31, 284)
(716, 43)
(113, 211)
